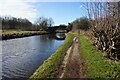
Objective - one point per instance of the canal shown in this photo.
(22, 56)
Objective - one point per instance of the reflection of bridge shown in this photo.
(60, 36)
(55, 29)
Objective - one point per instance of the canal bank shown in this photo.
(49, 69)
(11, 34)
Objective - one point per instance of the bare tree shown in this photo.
(106, 26)
(50, 22)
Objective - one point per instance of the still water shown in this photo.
(22, 56)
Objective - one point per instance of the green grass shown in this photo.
(97, 65)
(10, 32)
(50, 66)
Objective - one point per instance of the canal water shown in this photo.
(22, 56)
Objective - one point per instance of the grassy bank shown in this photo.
(97, 65)
(9, 34)
(50, 66)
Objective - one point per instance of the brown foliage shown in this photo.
(106, 27)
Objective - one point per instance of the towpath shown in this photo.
(71, 65)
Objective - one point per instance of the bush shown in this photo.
(83, 24)
(97, 65)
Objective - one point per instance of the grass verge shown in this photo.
(9, 34)
(97, 65)
(50, 66)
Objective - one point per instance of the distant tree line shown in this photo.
(41, 23)
(15, 23)
(80, 23)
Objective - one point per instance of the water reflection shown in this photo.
(22, 56)
(60, 36)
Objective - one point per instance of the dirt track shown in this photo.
(70, 67)
(73, 65)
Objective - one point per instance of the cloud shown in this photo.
(18, 8)
(80, 6)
